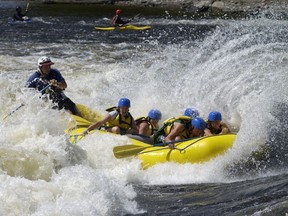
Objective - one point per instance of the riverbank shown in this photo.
(190, 5)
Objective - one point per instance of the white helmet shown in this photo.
(44, 60)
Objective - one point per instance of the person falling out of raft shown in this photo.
(179, 128)
(215, 125)
(118, 120)
(117, 20)
(51, 79)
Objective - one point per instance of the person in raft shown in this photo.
(191, 112)
(117, 20)
(118, 120)
(179, 128)
(51, 79)
(147, 126)
(215, 125)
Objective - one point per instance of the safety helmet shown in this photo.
(214, 116)
(118, 12)
(155, 114)
(44, 60)
(198, 123)
(18, 9)
(191, 112)
(124, 102)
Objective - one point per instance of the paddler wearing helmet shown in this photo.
(179, 128)
(117, 20)
(118, 120)
(147, 126)
(215, 125)
(46, 77)
(191, 112)
(18, 15)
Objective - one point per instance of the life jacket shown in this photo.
(169, 124)
(120, 120)
(116, 20)
(213, 130)
(146, 119)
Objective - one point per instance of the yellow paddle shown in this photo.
(128, 150)
(132, 150)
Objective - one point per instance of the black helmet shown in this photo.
(18, 8)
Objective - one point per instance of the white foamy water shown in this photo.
(236, 69)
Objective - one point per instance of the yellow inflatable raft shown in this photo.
(197, 150)
(190, 151)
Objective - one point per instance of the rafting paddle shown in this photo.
(131, 150)
(136, 16)
(22, 104)
(17, 108)
(27, 6)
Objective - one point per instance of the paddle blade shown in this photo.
(127, 150)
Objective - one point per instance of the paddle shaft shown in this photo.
(17, 108)
(27, 6)
(128, 150)
(21, 105)
(132, 150)
(137, 15)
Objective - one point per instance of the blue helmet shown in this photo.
(191, 112)
(214, 116)
(154, 114)
(198, 123)
(124, 102)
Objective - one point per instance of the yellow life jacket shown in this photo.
(168, 126)
(181, 119)
(146, 119)
(123, 122)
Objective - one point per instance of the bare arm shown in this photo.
(143, 128)
(177, 129)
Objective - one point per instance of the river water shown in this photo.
(236, 66)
